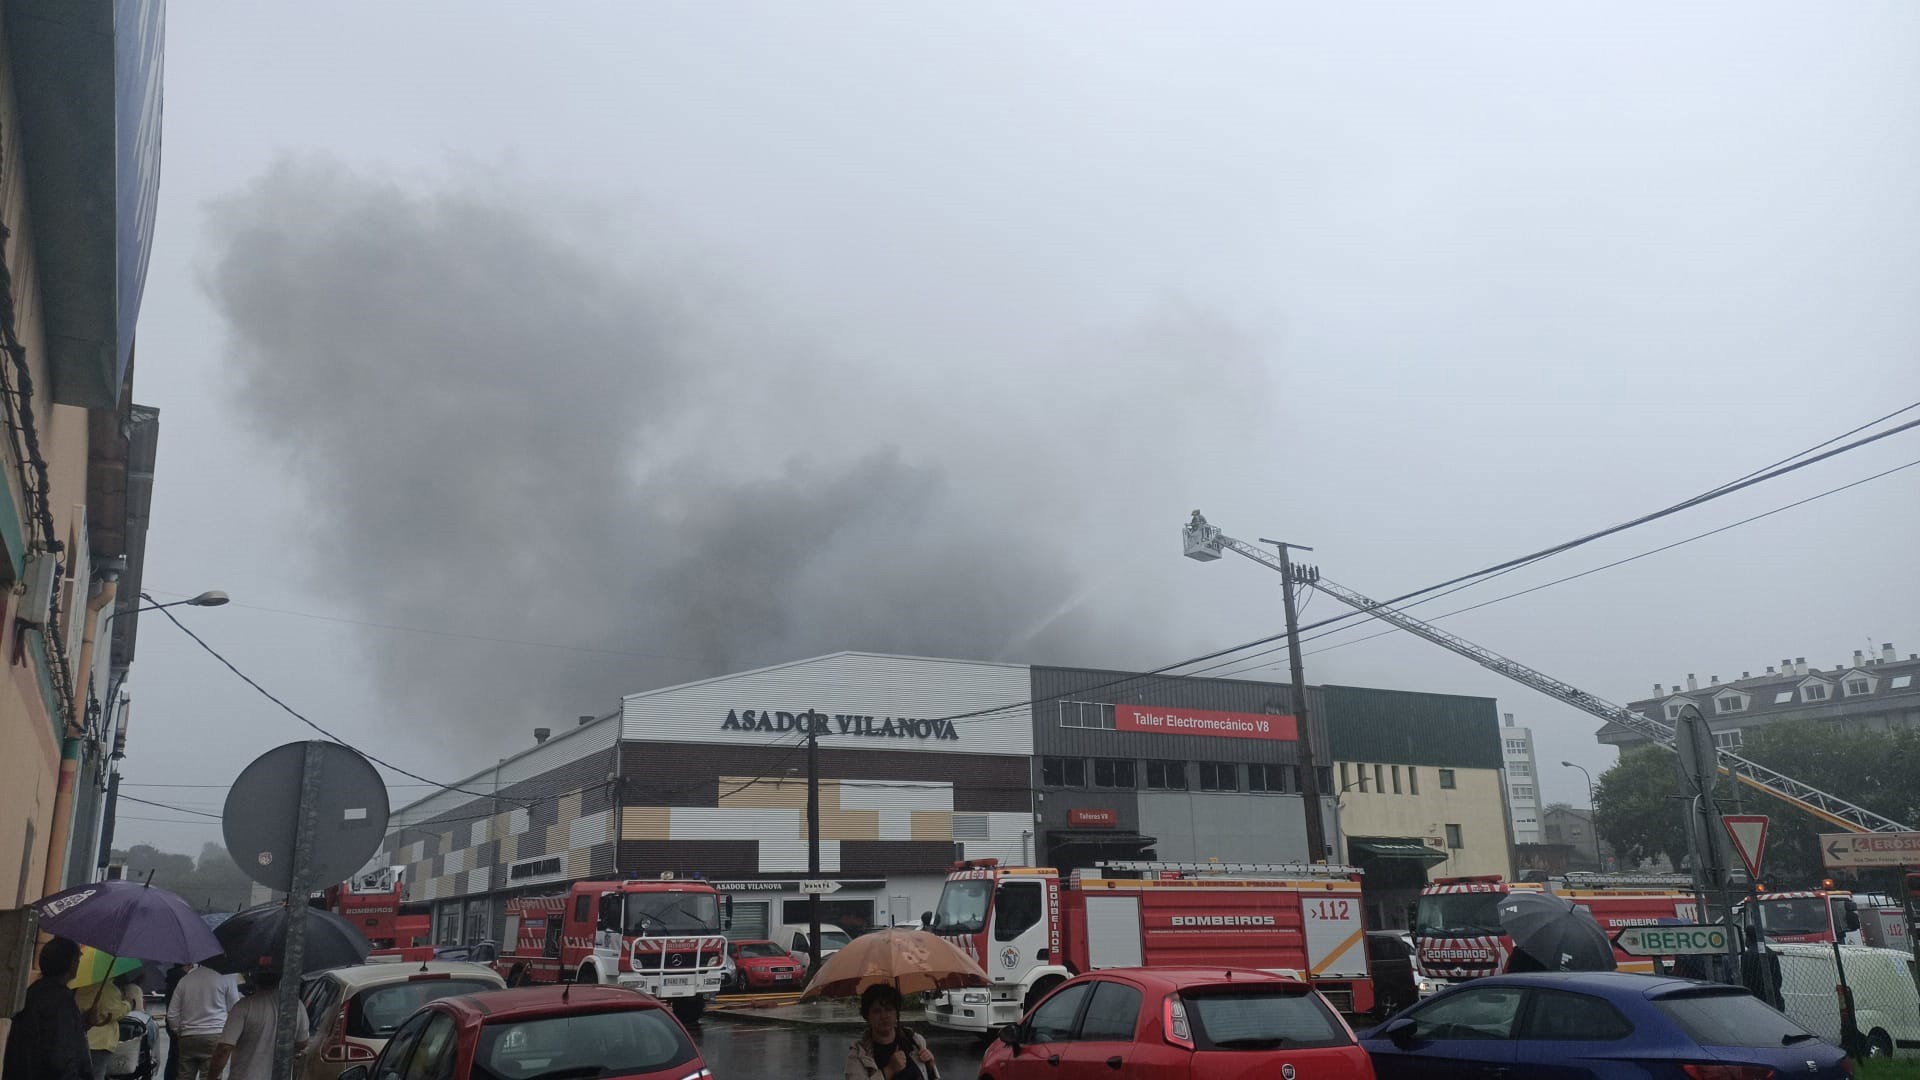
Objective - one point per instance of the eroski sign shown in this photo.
(816, 722)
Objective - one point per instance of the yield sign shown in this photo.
(1749, 833)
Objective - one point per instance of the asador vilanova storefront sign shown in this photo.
(819, 723)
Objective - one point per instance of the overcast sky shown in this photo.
(655, 341)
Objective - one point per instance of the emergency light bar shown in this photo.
(1288, 868)
(1622, 881)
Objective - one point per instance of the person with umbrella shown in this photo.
(107, 1001)
(887, 1051)
(197, 1014)
(49, 1037)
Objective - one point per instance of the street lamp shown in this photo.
(210, 598)
(1593, 816)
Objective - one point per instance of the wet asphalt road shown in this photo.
(742, 1050)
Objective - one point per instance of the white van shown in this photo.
(1886, 1002)
(793, 938)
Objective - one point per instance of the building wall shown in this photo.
(1197, 826)
(1523, 782)
(1475, 804)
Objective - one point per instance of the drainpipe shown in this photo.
(62, 826)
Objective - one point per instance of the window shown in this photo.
(1380, 779)
(582, 907)
(1900, 682)
(1344, 783)
(1519, 768)
(1729, 1017)
(1814, 691)
(1053, 1021)
(431, 1058)
(1730, 703)
(1413, 780)
(1858, 686)
(1365, 777)
(1113, 772)
(1446, 780)
(1482, 1013)
(1453, 837)
(584, 1044)
(1396, 779)
(1112, 1014)
(1324, 774)
(378, 1012)
(1167, 775)
(1516, 746)
(1086, 714)
(1523, 791)
(1727, 740)
(1219, 776)
(1063, 772)
(1673, 710)
(970, 827)
(1783, 697)
(1273, 778)
(1564, 1017)
(1253, 1021)
(1016, 907)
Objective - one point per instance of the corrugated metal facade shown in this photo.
(1412, 728)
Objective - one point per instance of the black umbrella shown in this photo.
(1555, 933)
(253, 939)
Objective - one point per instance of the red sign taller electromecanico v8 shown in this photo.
(1175, 721)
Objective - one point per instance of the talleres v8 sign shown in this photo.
(1165, 720)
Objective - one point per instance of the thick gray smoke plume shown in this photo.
(506, 430)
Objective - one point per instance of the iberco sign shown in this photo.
(1167, 721)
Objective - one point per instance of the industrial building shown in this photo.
(923, 761)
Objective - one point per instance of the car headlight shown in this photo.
(973, 998)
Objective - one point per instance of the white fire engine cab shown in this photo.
(1029, 930)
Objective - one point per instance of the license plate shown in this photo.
(784, 976)
(677, 982)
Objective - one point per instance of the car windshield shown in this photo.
(755, 950)
(1730, 1018)
(1800, 915)
(1474, 914)
(963, 907)
(1262, 1019)
(653, 914)
(581, 1046)
(379, 1012)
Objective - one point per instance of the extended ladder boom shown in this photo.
(1206, 542)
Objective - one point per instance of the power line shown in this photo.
(168, 806)
(295, 713)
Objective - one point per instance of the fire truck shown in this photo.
(1807, 916)
(375, 902)
(662, 936)
(1029, 930)
(1456, 926)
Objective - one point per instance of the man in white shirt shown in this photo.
(197, 1014)
(252, 1026)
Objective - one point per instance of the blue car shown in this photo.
(1600, 1025)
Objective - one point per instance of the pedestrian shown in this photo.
(49, 1037)
(252, 1028)
(105, 1005)
(887, 1051)
(198, 1014)
(174, 975)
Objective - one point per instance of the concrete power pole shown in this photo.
(1309, 774)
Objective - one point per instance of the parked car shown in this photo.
(1189, 1022)
(1886, 1009)
(540, 1031)
(763, 965)
(1396, 982)
(793, 938)
(353, 1011)
(1599, 1025)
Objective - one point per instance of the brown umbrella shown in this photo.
(911, 961)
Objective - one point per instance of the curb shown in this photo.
(852, 1025)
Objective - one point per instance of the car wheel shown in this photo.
(588, 974)
(1041, 989)
(688, 1009)
(1879, 1045)
(518, 975)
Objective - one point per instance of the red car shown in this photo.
(762, 964)
(581, 1032)
(1199, 1023)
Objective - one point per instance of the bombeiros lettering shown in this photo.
(815, 722)
(1222, 920)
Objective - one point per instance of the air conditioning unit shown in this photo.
(41, 578)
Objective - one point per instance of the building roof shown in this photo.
(1765, 693)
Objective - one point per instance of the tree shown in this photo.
(215, 883)
(1635, 809)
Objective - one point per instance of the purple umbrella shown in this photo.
(129, 918)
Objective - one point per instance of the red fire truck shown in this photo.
(1456, 926)
(1029, 930)
(1808, 916)
(375, 902)
(662, 936)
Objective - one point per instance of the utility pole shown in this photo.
(1309, 775)
(813, 719)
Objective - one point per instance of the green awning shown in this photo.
(1372, 847)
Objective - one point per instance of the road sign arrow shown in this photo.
(1834, 849)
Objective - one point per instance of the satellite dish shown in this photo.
(262, 814)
